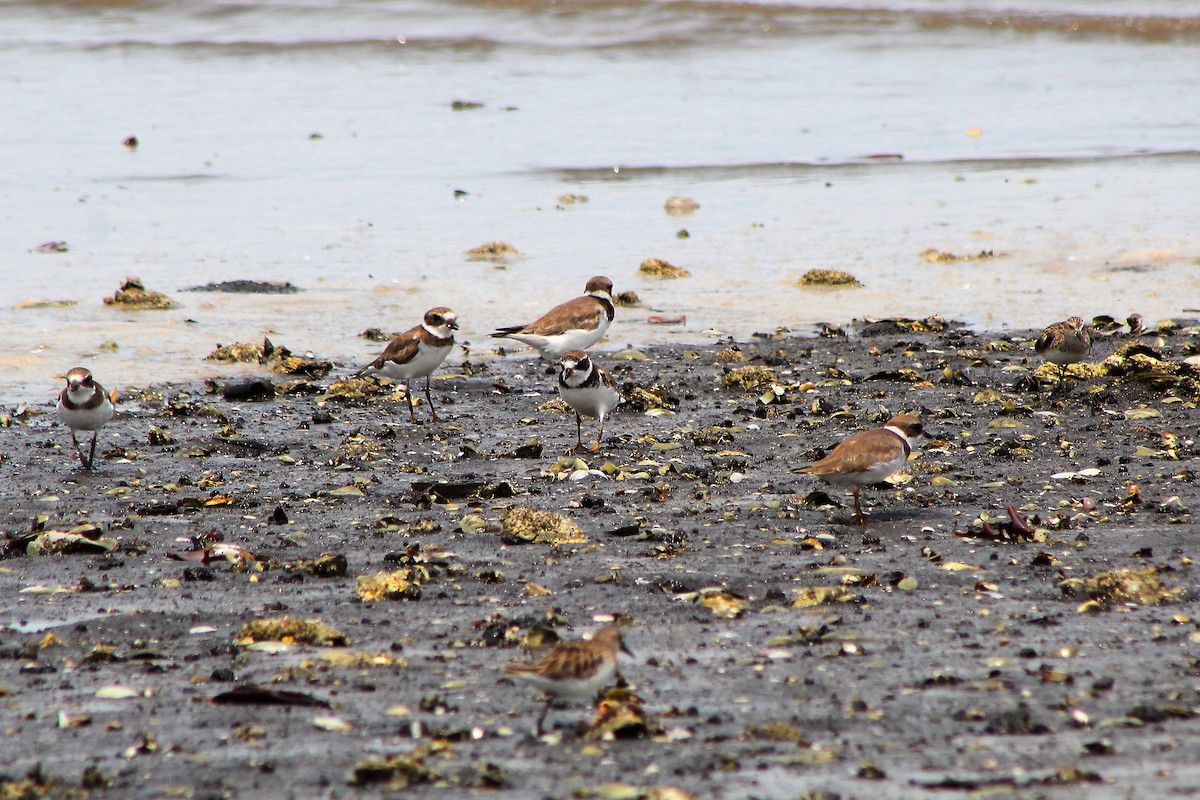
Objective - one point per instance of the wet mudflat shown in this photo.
(950, 647)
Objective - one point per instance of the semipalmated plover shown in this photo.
(574, 325)
(84, 406)
(1064, 343)
(416, 353)
(573, 670)
(587, 389)
(868, 457)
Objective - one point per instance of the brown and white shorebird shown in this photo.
(589, 391)
(84, 406)
(573, 670)
(416, 353)
(574, 325)
(868, 457)
(1063, 343)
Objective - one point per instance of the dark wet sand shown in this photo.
(958, 663)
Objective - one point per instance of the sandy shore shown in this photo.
(943, 656)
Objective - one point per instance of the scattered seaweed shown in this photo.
(86, 538)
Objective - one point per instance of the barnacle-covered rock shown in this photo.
(522, 524)
(807, 596)
(292, 629)
(828, 277)
(1118, 586)
(133, 295)
(660, 268)
(620, 715)
(493, 251)
(397, 585)
(751, 378)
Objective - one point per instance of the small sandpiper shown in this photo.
(573, 670)
(1064, 343)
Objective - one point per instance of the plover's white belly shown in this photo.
(1063, 357)
(555, 347)
(874, 474)
(594, 401)
(424, 363)
(85, 419)
(574, 688)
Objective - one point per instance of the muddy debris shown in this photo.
(279, 359)
(38, 303)
(942, 257)
(220, 630)
(251, 695)
(245, 286)
(255, 390)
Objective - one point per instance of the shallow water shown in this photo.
(316, 142)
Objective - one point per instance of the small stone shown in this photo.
(677, 206)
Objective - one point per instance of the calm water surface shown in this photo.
(316, 142)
